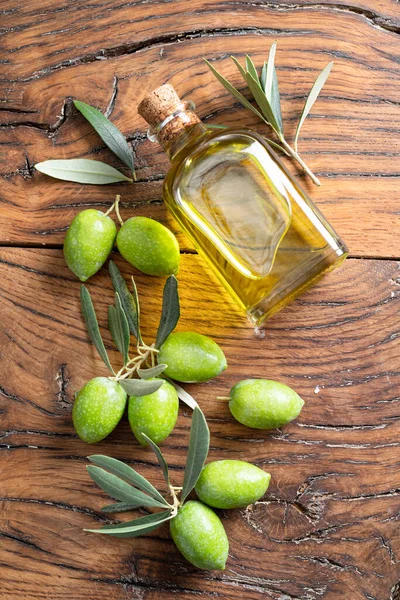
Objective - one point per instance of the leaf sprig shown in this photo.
(124, 320)
(265, 91)
(94, 172)
(132, 490)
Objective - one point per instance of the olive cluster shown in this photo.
(153, 401)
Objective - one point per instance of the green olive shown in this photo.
(231, 484)
(98, 408)
(191, 357)
(149, 246)
(200, 536)
(154, 414)
(264, 404)
(88, 242)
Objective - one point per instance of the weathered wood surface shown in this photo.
(329, 521)
(350, 141)
(328, 526)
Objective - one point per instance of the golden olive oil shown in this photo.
(261, 235)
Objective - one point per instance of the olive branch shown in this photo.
(133, 491)
(124, 321)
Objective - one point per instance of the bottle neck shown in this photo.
(178, 129)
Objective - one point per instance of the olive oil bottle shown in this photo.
(258, 231)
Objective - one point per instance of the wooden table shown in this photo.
(328, 527)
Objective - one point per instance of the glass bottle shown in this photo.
(257, 230)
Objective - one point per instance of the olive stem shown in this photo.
(110, 209)
(148, 348)
(145, 352)
(117, 199)
(297, 157)
(176, 502)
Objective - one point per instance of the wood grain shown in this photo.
(327, 528)
(350, 141)
(329, 517)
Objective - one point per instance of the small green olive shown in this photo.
(231, 484)
(88, 242)
(149, 246)
(264, 404)
(200, 536)
(191, 357)
(98, 408)
(154, 414)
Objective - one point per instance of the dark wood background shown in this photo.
(328, 528)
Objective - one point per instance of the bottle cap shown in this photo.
(166, 114)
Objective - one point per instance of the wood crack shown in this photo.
(372, 17)
(62, 505)
(149, 44)
(331, 564)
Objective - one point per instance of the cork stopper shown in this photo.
(166, 114)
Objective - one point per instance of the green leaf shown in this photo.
(263, 76)
(312, 96)
(125, 296)
(119, 468)
(160, 457)
(119, 327)
(183, 394)
(109, 133)
(235, 93)
(92, 326)
(152, 372)
(120, 490)
(170, 310)
(269, 82)
(137, 306)
(81, 170)
(135, 527)
(262, 101)
(251, 68)
(119, 507)
(270, 72)
(212, 126)
(140, 387)
(197, 452)
(241, 70)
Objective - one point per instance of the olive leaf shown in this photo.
(140, 387)
(92, 325)
(161, 460)
(262, 101)
(170, 310)
(199, 443)
(251, 68)
(120, 490)
(265, 91)
(119, 327)
(109, 133)
(137, 306)
(81, 170)
(119, 507)
(135, 527)
(125, 296)
(269, 83)
(117, 467)
(183, 394)
(312, 96)
(241, 70)
(235, 93)
(152, 371)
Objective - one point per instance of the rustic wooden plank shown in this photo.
(55, 36)
(354, 148)
(327, 526)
